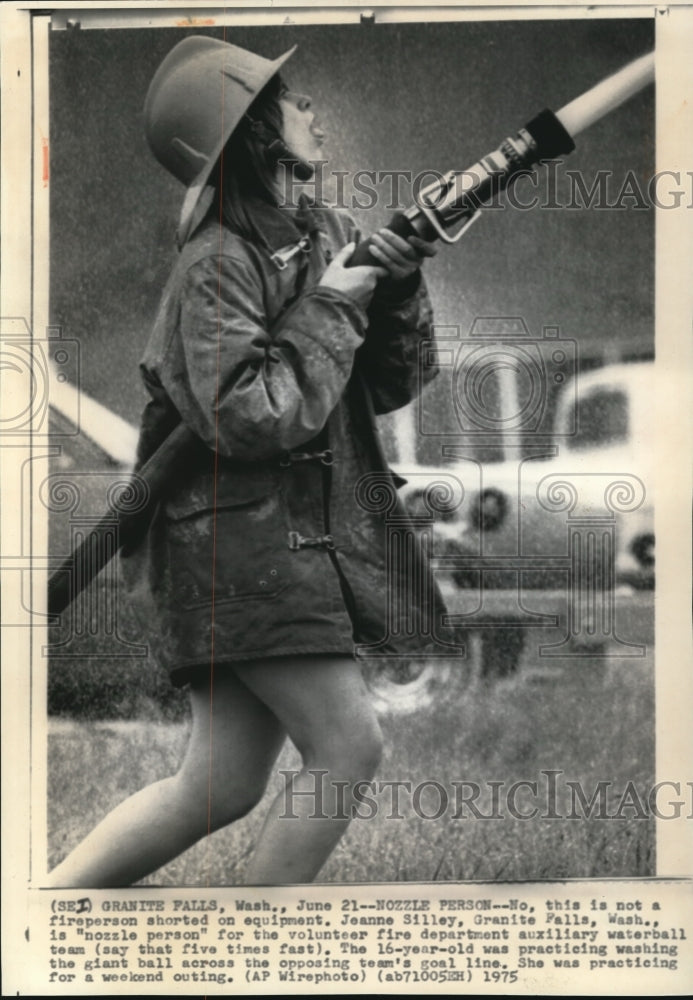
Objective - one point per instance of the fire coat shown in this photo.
(276, 540)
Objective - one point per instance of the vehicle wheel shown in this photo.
(400, 686)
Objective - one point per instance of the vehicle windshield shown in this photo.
(601, 419)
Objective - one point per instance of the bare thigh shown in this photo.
(234, 741)
(322, 703)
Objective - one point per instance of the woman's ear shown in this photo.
(277, 151)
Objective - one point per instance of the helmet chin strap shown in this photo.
(278, 151)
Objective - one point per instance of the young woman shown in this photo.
(263, 567)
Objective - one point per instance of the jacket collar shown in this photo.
(274, 228)
(282, 227)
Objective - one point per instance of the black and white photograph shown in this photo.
(341, 389)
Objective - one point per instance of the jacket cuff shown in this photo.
(395, 290)
(353, 311)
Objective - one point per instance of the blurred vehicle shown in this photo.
(563, 536)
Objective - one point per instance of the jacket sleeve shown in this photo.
(400, 318)
(248, 392)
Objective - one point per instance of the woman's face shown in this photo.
(301, 131)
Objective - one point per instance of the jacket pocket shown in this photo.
(230, 547)
(233, 490)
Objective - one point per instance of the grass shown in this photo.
(594, 723)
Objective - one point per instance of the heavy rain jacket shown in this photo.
(275, 540)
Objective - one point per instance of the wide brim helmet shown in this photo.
(197, 97)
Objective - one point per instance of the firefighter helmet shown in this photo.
(197, 97)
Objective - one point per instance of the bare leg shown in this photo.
(234, 741)
(323, 704)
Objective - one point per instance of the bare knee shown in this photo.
(207, 806)
(352, 754)
(228, 805)
(367, 753)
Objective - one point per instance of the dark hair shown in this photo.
(246, 168)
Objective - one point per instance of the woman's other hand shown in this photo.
(400, 257)
(358, 283)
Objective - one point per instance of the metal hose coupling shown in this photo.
(459, 195)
